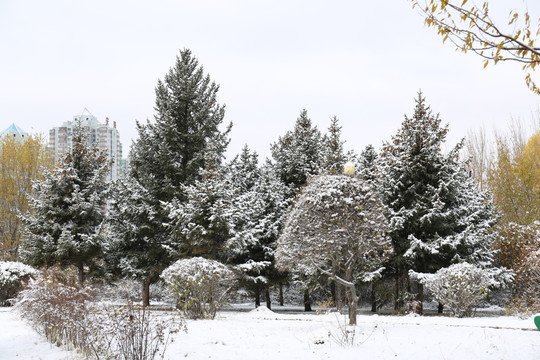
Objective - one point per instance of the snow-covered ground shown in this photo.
(263, 334)
(19, 341)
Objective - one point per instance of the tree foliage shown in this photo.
(471, 28)
(200, 286)
(298, 154)
(257, 212)
(460, 287)
(64, 225)
(438, 217)
(336, 227)
(21, 163)
(170, 152)
(515, 180)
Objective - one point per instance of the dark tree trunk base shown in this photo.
(257, 296)
(307, 301)
(146, 291)
(267, 297)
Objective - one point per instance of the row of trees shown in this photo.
(410, 207)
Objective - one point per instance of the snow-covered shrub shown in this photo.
(459, 287)
(137, 334)
(56, 306)
(13, 276)
(62, 310)
(200, 286)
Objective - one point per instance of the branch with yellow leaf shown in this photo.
(470, 28)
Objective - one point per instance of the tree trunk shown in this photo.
(146, 290)
(267, 297)
(396, 293)
(373, 298)
(420, 298)
(353, 305)
(440, 308)
(257, 296)
(281, 299)
(339, 296)
(307, 301)
(82, 276)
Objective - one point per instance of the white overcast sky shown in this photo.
(363, 61)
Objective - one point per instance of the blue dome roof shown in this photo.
(15, 131)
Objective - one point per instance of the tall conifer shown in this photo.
(438, 218)
(65, 226)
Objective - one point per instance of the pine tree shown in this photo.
(438, 218)
(367, 165)
(65, 224)
(132, 248)
(169, 154)
(256, 212)
(200, 223)
(333, 155)
(297, 154)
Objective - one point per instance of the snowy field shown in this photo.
(262, 334)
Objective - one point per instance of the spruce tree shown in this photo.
(438, 218)
(367, 165)
(200, 222)
(256, 212)
(68, 206)
(169, 154)
(333, 155)
(132, 248)
(298, 154)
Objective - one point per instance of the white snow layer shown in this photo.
(263, 334)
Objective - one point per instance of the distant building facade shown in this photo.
(106, 137)
(14, 131)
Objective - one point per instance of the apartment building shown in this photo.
(105, 136)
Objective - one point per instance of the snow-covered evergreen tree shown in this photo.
(169, 155)
(298, 154)
(438, 217)
(367, 165)
(200, 223)
(256, 213)
(336, 227)
(333, 157)
(65, 226)
(132, 248)
(170, 152)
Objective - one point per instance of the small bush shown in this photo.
(200, 286)
(138, 334)
(325, 307)
(459, 287)
(58, 307)
(13, 277)
(526, 299)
